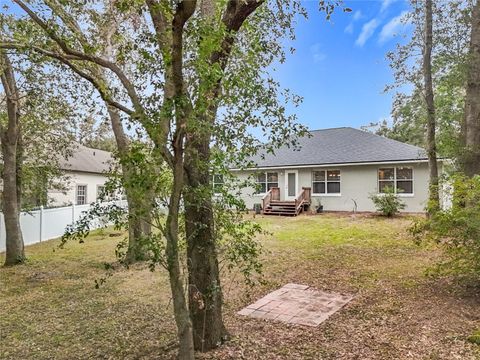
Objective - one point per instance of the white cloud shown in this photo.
(357, 16)
(367, 31)
(391, 28)
(317, 54)
(349, 28)
(386, 4)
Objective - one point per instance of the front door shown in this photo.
(291, 178)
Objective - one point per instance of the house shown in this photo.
(86, 173)
(338, 168)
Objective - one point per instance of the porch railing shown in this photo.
(266, 199)
(303, 197)
(272, 195)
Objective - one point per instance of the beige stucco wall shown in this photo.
(357, 183)
(91, 180)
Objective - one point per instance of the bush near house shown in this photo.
(388, 203)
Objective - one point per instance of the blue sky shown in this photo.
(340, 67)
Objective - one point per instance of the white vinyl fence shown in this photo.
(46, 224)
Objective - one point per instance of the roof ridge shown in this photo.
(93, 149)
(334, 128)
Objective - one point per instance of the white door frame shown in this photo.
(286, 184)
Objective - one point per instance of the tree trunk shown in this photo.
(139, 200)
(15, 249)
(139, 216)
(10, 137)
(205, 293)
(471, 126)
(434, 201)
(181, 311)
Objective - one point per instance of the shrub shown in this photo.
(457, 228)
(388, 203)
(475, 338)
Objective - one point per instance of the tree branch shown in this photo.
(77, 55)
(67, 61)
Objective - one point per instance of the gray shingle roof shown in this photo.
(86, 159)
(340, 146)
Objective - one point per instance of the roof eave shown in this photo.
(380, 162)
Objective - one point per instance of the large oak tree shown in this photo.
(187, 61)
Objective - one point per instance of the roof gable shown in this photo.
(86, 159)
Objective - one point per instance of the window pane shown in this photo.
(218, 179)
(333, 187)
(404, 173)
(384, 184)
(319, 188)
(319, 176)
(272, 177)
(405, 187)
(261, 177)
(261, 188)
(386, 174)
(333, 175)
(81, 194)
(270, 185)
(100, 191)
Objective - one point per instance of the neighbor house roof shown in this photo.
(343, 145)
(86, 159)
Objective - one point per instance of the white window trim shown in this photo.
(326, 193)
(99, 192)
(404, 195)
(76, 194)
(266, 180)
(214, 183)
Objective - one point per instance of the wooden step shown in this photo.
(281, 207)
(284, 208)
(282, 203)
(280, 213)
(285, 211)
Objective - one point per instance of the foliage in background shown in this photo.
(457, 228)
(408, 124)
(388, 203)
(95, 134)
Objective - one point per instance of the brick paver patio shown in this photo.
(297, 304)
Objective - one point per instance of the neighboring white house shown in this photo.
(341, 168)
(86, 171)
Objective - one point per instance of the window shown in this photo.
(398, 178)
(265, 181)
(100, 192)
(81, 194)
(217, 181)
(326, 182)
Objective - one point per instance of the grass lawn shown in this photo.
(50, 309)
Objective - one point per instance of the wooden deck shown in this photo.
(273, 206)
